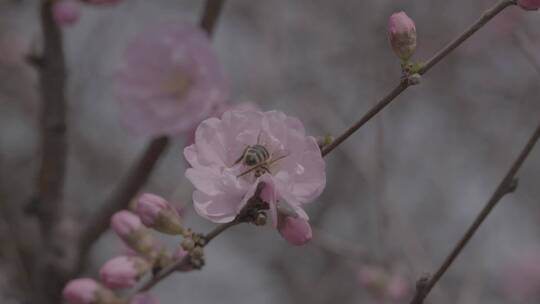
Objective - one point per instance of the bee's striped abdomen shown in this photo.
(255, 155)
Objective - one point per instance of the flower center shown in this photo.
(178, 85)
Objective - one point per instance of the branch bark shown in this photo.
(428, 65)
(52, 76)
(507, 185)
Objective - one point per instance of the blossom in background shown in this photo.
(402, 35)
(169, 81)
(531, 5)
(294, 174)
(383, 284)
(521, 276)
(66, 12)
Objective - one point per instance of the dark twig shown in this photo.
(245, 215)
(507, 185)
(141, 170)
(52, 75)
(404, 84)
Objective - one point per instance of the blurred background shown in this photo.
(400, 192)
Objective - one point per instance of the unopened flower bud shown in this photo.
(155, 212)
(530, 5)
(87, 291)
(129, 228)
(123, 271)
(66, 12)
(188, 244)
(402, 35)
(296, 230)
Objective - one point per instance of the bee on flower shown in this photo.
(231, 155)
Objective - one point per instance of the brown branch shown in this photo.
(404, 84)
(141, 170)
(52, 76)
(507, 185)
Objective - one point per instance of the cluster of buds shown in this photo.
(146, 253)
(68, 12)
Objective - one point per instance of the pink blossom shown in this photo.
(169, 81)
(157, 213)
(296, 171)
(531, 5)
(296, 231)
(402, 35)
(66, 12)
(143, 298)
(123, 271)
(217, 111)
(81, 291)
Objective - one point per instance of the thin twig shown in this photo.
(52, 75)
(507, 185)
(403, 85)
(141, 170)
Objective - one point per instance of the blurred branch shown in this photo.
(141, 170)
(404, 83)
(507, 185)
(52, 74)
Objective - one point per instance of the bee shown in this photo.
(258, 158)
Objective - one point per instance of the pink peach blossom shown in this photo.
(81, 291)
(66, 12)
(531, 5)
(169, 81)
(298, 177)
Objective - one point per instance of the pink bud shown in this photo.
(157, 213)
(66, 12)
(143, 298)
(296, 231)
(530, 5)
(123, 271)
(125, 224)
(129, 228)
(402, 35)
(81, 291)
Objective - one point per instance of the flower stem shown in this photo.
(403, 85)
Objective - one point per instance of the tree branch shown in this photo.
(52, 76)
(404, 84)
(141, 170)
(507, 185)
